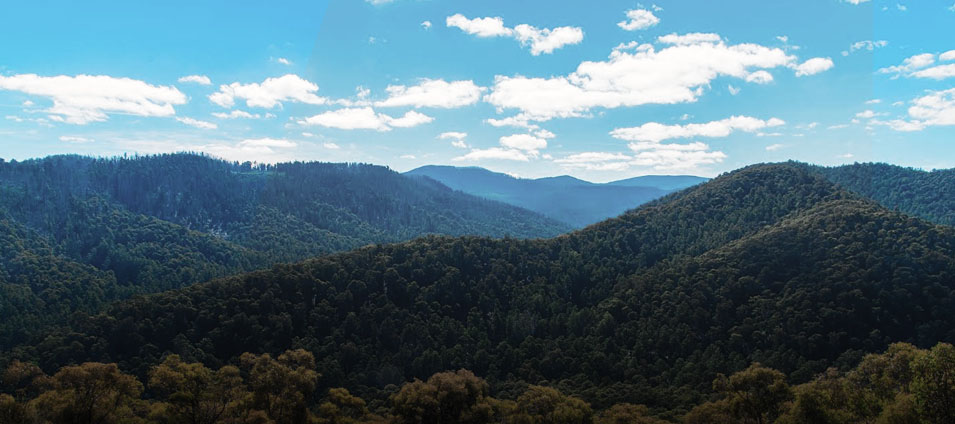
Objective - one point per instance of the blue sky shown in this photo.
(532, 88)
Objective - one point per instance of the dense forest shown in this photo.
(77, 233)
(903, 385)
(926, 194)
(770, 264)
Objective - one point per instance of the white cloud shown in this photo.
(481, 27)
(378, 2)
(75, 139)
(524, 142)
(407, 156)
(365, 118)
(655, 132)
(868, 45)
(235, 114)
(457, 138)
(949, 55)
(774, 147)
(543, 40)
(813, 66)
(493, 153)
(873, 101)
(516, 147)
(936, 72)
(410, 119)
(596, 161)
(901, 7)
(436, 93)
(270, 93)
(540, 40)
(782, 38)
(453, 135)
(856, 1)
(284, 61)
(678, 73)
(542, 133)
(426, 25)
(91, 98)
(937, 108)
(733, 90)
(520, 121)
(868, 114)
(673, 157)
(197, 123)
(198, 79)
(690, 38)
(638, 19)
(331, 146)
(760, 77)
(910, 64)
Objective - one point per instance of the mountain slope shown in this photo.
(567, 199)
(702, 281)
(929, 195)
(154, 223)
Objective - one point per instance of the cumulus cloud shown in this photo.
(760, 77)
(540, 40)
(457, 138)
(516, 147)
(936, 72)
(677, 73)
(365, 118)
(83, 99)
(426, 25)
(198, 79)
(198, 124)
(638, 19)
(525, 142)
(813, 66)
(947, 56)
(235, 114)
(435, 93)
(937, 108)
(910, 64)
(270, 93)
(331, 146)
(657, 132)
(284, 61)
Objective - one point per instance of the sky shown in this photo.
(601, 91)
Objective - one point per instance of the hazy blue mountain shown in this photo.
(666, 182)
(564, 198)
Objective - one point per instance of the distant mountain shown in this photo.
(78, 232)
(927, 194)
(665, 182)
(573, 201)
(771, 264)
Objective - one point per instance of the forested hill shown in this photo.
(926, 194)
(771, 263)
(78, 232)
(578, 203)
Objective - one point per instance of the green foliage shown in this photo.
(77, 233)
(929, 195)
